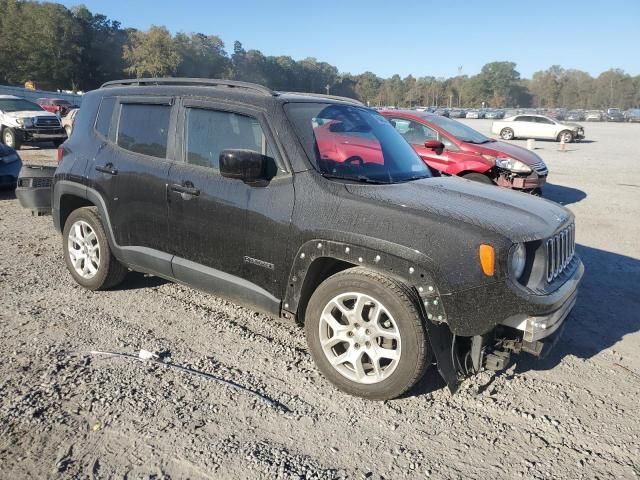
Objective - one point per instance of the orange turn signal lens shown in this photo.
(487, 259)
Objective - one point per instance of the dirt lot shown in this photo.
(67, 414)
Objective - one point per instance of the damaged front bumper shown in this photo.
(536, 328)
(530, 183)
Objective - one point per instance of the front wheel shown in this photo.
(506, 134)
(10, 139)
(565, 136)
(366, 335)
(87, 252)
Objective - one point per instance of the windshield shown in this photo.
(17, 105)
(354, 143)
(459, 130)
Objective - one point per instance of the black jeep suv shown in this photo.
(312, 208)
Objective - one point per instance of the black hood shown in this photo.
(518, 216)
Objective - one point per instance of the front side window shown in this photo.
(209, 132)
(354, 143)
(144, 128)
(413, 132)
(546, 121)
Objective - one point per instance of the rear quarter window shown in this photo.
(144, 128)
(105, 113)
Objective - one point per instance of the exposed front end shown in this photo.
(524, 314)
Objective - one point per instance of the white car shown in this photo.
(22, 121)
(537, 126)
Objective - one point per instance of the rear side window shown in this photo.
(144, 128)
(209, 132)
(103, 121)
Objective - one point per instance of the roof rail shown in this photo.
(203, 82)
(324, 95)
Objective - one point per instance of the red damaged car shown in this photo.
(452, 148)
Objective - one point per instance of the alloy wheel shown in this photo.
(360, 338)
(84, 249)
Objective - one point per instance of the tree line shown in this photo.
(75, 49)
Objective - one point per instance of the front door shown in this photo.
(417, 134)
(222, 230)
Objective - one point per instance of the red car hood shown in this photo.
(502, 149)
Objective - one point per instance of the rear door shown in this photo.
(524, 126)
(141, 155)
(228, 237)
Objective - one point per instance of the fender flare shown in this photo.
(410, 266)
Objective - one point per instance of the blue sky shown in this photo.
(411, 36)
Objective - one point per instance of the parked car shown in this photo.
(537, 126)
(457, 113)
(22, 121)
(386, 266)
(10, 165)
(453, 148)
(56, 105)
(594, 116)
(574, 116)
(633, 115)
(494, 114)
(556, 113)
(614, 115)
(68, 120)
(475, 113)
(442, 111)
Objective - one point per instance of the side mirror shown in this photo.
(247, 165)
(435, 145)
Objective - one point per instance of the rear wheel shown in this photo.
(565, 136)
(478, 177)
(366, 335)
(10, 139)
(506, 134)
(87, 252)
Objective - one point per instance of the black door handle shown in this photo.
(108, 169)
(185, 190)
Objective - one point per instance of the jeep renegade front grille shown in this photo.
(560, 250)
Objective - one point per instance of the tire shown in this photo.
(478, 177)
(567, 135)
(506, 134)
(398, 338)
(10, 139)
(83, 231)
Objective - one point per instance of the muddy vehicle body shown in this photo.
(220, 185)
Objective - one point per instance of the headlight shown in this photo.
(20, 121)
(517, 260)
(513, 165)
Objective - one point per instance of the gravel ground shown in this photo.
(65, 413)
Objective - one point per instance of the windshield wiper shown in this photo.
(415, 177)
(359, 178)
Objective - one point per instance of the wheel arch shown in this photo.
(318, 259)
